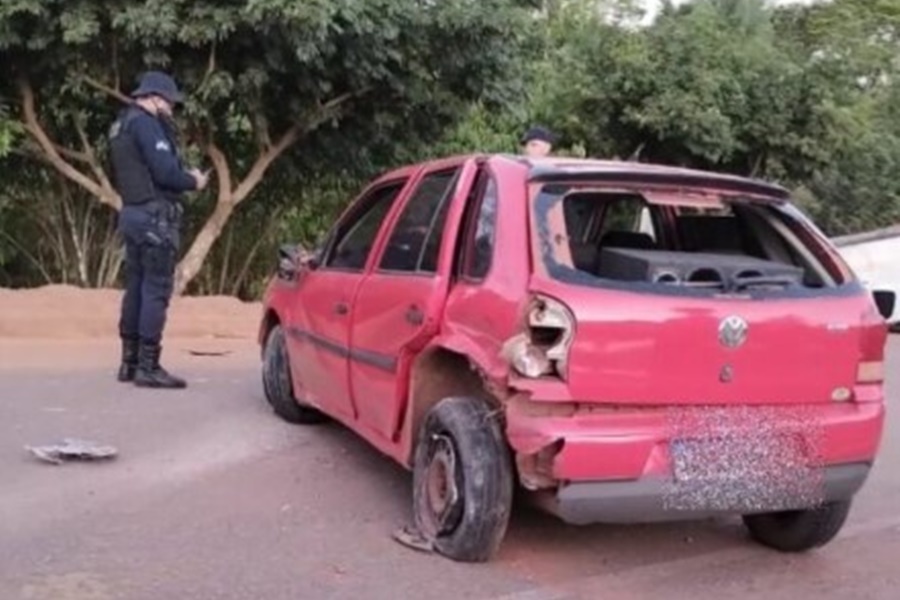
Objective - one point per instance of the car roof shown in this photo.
(551, 169)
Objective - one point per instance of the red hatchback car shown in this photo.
(623, 342)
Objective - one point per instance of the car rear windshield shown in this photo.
(681, 242)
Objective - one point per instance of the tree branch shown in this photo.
(228, 199)
(323, 112)
(264, 161)
(33, 126)
(102, 87)
(31, 257)
(260, 131)
(32, 151)
(91, 157)
(117, 80)
(337, 101)
(636, 155)
(73, 154)
(274, 219)
(223, 171)
(211, 64)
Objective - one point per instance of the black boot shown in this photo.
(129, 359)
(150, 374)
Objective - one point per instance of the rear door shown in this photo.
(319, 336)
(399, 305)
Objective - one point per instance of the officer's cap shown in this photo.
(160, 84)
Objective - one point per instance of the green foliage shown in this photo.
(806, 95)
(9, 129)
(792, 94)
(337, 86)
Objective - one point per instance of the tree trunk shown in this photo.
(193, 260)
(100, 188)
(229, 197)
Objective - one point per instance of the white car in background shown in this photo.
(875, 258)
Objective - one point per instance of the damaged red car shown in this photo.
(623, 342)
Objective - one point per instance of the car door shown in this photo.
(398, 306)
(319, 336)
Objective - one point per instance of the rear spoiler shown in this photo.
(662, 177)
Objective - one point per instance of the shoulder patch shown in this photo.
(163, 146)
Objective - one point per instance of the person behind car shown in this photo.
(150, 178)
(538, 142)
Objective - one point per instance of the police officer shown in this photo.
(537, 142)
(150, 178)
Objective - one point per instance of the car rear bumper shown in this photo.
(648, 500)
(637, 464)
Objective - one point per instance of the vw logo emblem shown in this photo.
(733, 331)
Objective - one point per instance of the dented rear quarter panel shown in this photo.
(481, 315)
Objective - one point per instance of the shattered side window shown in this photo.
(480, 249)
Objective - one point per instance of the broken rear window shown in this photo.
(681, 242)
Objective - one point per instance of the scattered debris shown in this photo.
(412, 538)
(209, 352)
(72, 449)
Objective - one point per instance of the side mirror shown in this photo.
(294, 258)
(885, 300)
(308, 259)
(288, 263)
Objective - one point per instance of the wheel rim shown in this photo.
(442, 498)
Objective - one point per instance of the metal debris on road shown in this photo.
(72, 449)
(412, 538)
(209, 352)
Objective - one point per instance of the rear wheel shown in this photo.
(801, 530)
(462, 480)
(277, 385)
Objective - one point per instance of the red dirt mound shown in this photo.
(69, 312)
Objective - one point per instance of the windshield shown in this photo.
(682, 242)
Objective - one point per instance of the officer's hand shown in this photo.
(201, 179)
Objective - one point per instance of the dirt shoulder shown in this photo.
(67, 312)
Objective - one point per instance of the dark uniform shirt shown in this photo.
(145, 159)
(151, 179)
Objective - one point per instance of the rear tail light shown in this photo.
(872, 342)
(543, 349)
(870, 372)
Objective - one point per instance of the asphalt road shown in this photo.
(212, 497)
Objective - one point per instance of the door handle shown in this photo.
(341, 308)
(414, 315)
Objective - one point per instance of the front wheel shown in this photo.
(277, 383)
(462, 480)
(799, 530)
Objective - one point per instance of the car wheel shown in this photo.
(801, 530)
(277, 385)
(462, 480)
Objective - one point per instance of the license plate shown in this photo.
(742, 473)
